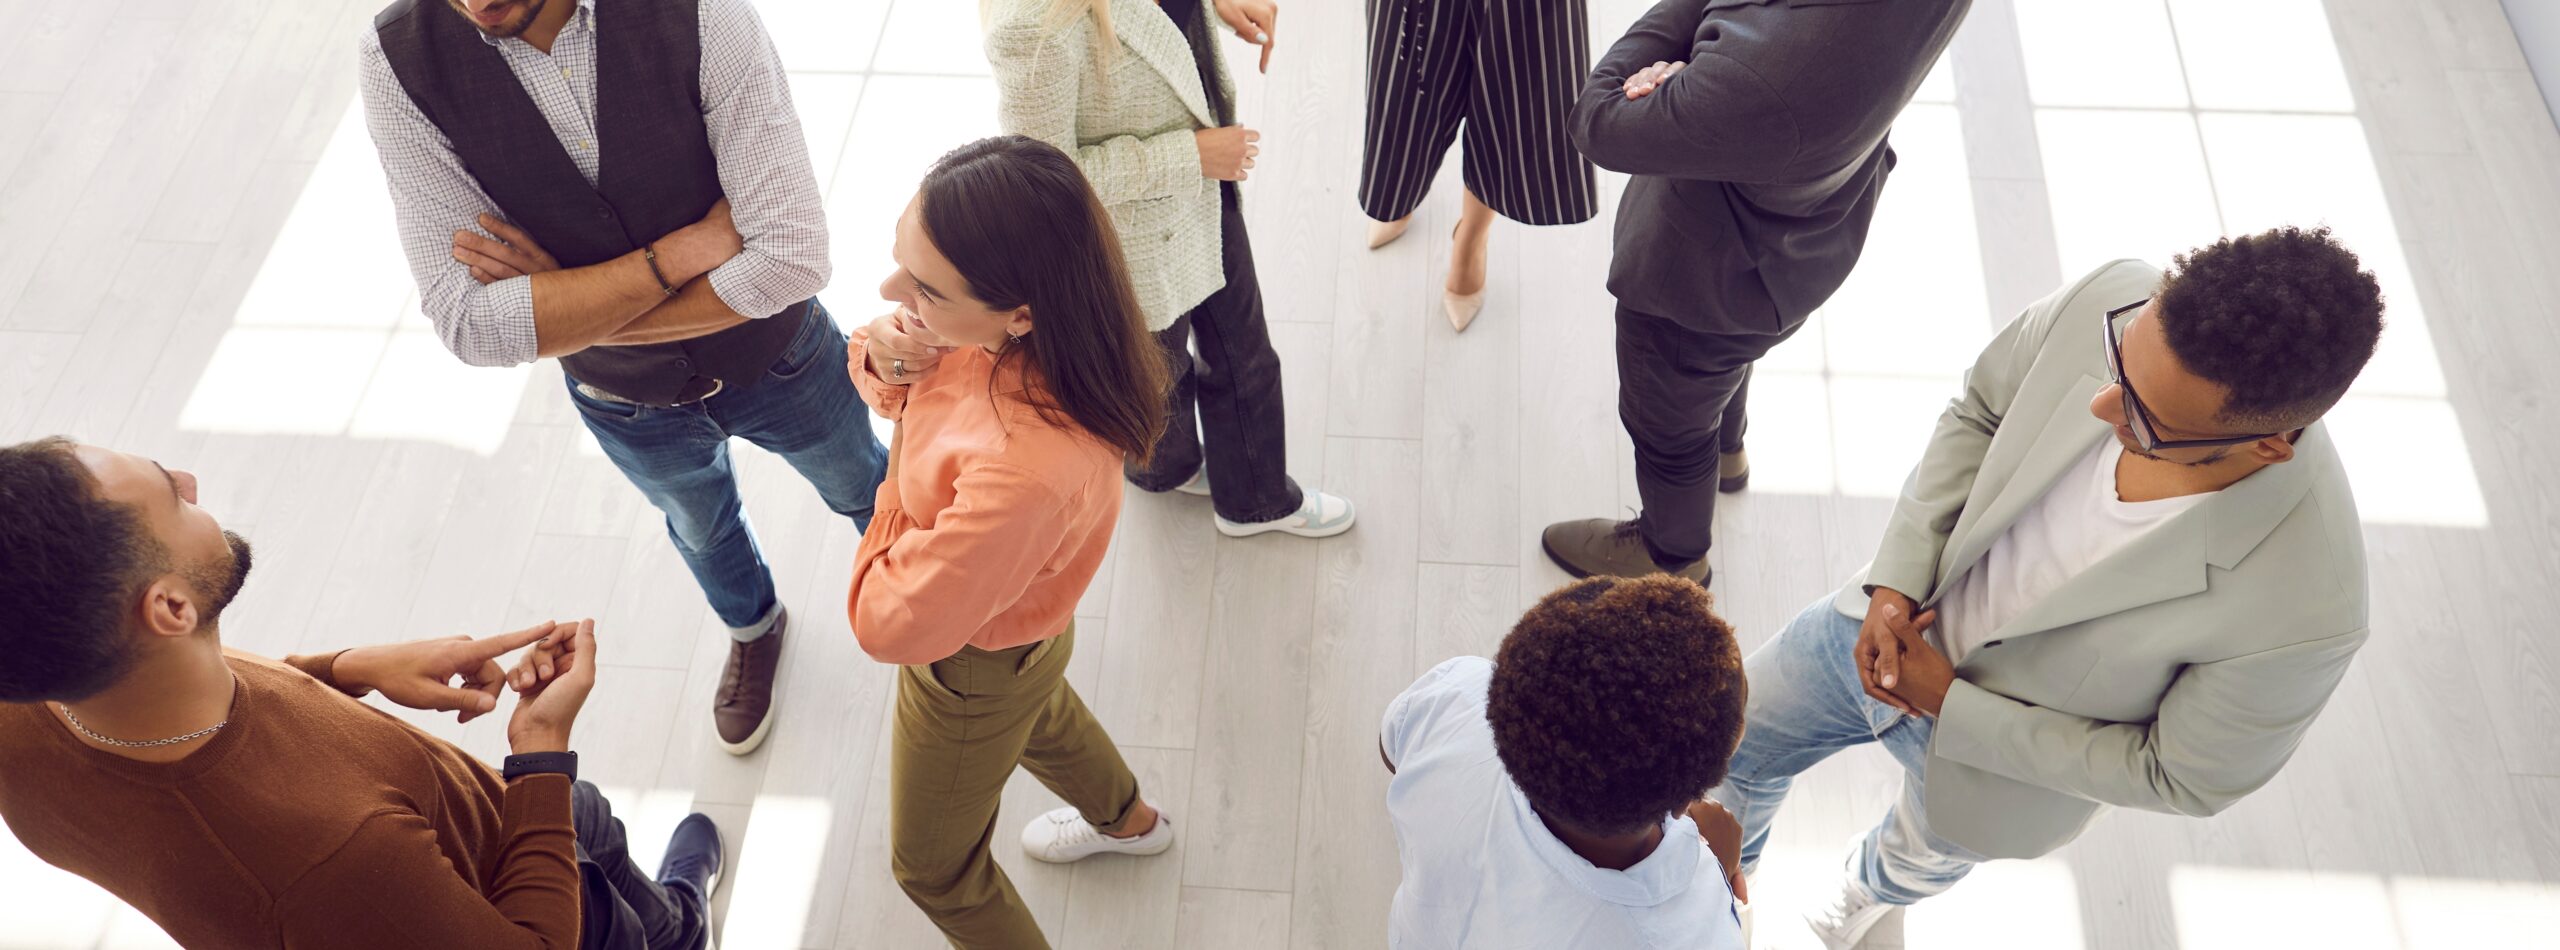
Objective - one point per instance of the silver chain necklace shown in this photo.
(153, 744)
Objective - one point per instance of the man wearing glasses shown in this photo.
(2127, 571)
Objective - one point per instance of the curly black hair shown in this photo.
(2283, 320)
(70, 561)
(1617, 702)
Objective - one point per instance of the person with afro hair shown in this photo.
(2126, 572)
(1553, 797)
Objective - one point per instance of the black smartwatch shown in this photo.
(541, 763)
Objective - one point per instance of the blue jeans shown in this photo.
(1806, 703)
(805, 409)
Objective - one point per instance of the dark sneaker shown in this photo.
(742, 712)
(693, 857)
(1612, 548)
(1733, 470)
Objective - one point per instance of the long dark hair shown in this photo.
(1016, 217)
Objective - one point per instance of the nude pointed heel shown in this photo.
(1383, 233)
(1462, 308)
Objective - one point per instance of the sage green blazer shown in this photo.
(2176, 675)
(1128, 118)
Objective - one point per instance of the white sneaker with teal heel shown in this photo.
(1198, 485)
(1319, 516)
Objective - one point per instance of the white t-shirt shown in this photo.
(2076, 524)
(1481, 871)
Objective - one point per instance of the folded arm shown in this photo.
(1716, 120)
(696, 310)
(1039, 80)
(2225, 728)
(520, 316)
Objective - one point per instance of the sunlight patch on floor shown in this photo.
(2225, 908)
(777, 875)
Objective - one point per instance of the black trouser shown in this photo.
(1680, 394)
(1235, 386)
(1508, 71)
(623, 908)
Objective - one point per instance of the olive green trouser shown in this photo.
(963, 724)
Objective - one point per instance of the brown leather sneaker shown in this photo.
(742, 712)
(1613, 548)
(1733, 470)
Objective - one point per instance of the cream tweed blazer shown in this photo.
(1128, 122)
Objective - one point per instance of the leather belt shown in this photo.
(600, 395)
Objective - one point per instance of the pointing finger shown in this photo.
(490, 648)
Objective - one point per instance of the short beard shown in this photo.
(505, 31)
(220, 582)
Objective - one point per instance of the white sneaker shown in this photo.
(1319, 516)
(1849, 917)
(1198, 485)
(1064, 837)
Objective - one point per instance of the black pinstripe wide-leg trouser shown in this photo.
(1507, 72)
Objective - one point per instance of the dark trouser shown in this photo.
(624, 909)
(1235, 386)
(1506, 70)
(1680, 394)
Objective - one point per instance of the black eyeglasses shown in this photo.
(2137, 417)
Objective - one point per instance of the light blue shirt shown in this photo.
(1481, 871)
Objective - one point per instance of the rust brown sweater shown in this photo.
(312, 820)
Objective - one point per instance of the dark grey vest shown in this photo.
(656, 172)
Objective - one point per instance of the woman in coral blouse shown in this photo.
(1020, 371)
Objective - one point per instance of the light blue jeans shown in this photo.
(1806, 703)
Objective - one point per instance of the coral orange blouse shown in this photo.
(992, 521)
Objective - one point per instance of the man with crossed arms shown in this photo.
(626, 189)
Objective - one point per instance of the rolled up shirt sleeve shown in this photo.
(764, 167)
(433, 196)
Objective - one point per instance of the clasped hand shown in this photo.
(462, 675)
(1896, 663)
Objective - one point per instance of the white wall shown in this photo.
(2537, 24)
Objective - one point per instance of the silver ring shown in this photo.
(897, 367)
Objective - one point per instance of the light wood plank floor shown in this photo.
(197, 262)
